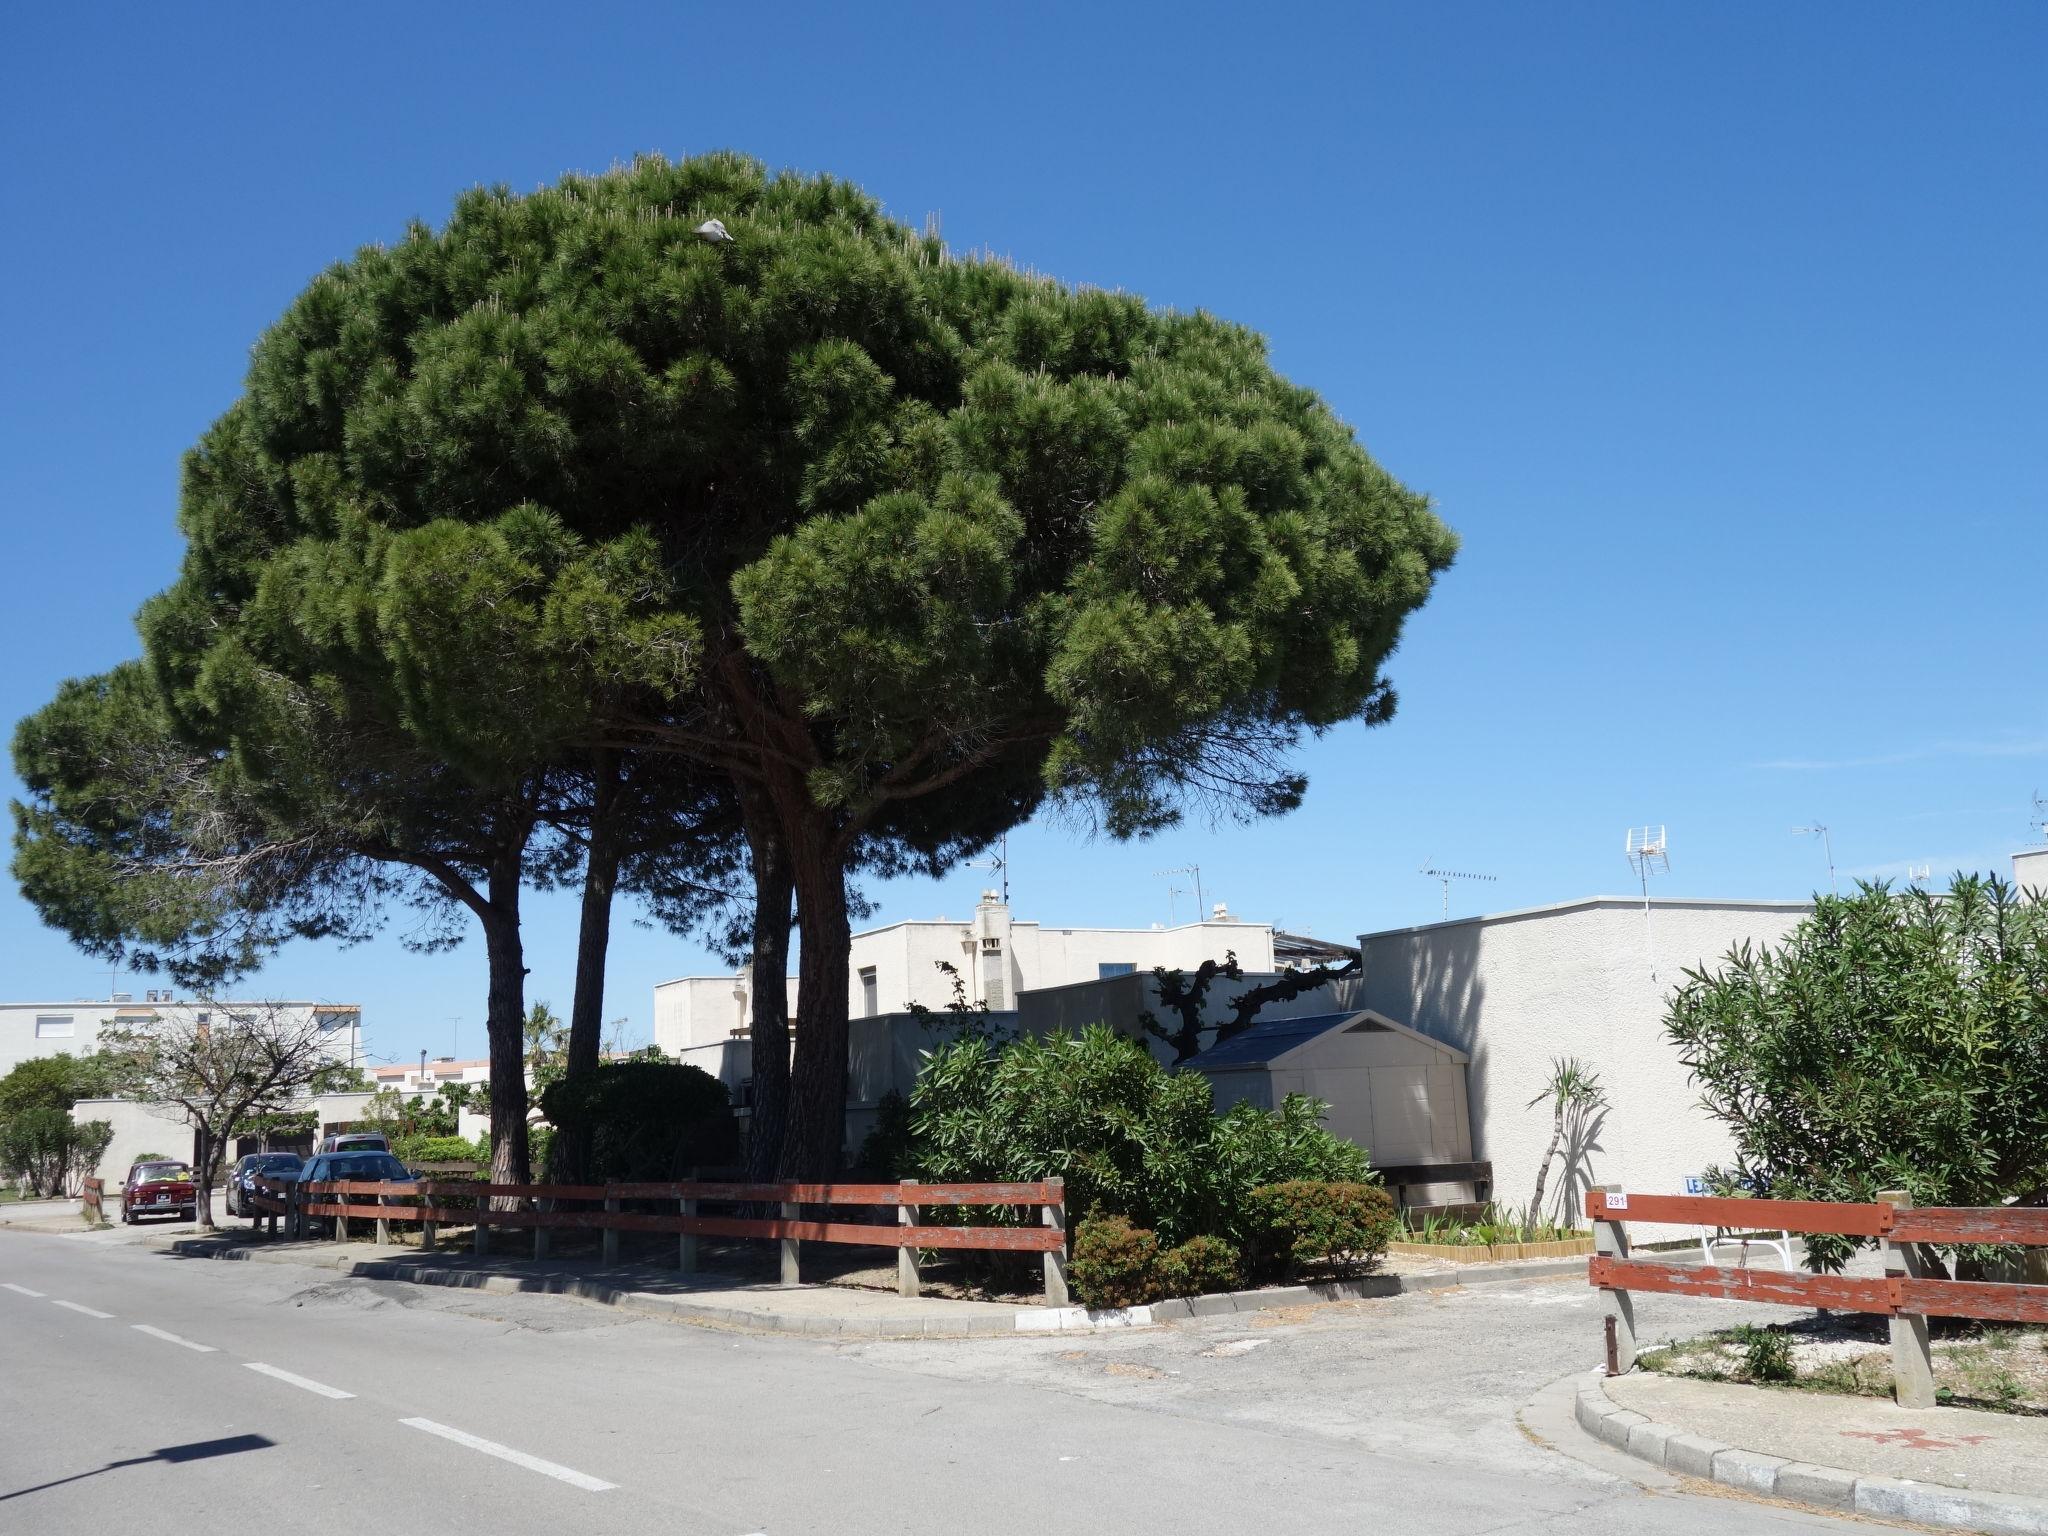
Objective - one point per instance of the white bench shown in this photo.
(1711, 1238)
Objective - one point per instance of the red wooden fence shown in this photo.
(1902, 1293)
(536, 1207)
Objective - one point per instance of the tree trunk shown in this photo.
(1543, 1169)
(769, 977)
(505, 1019)
(594, 936)
(816, 1128)
(202, 1181)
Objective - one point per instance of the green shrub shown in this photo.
(640, 1121)
(1309, 1224)
(1115, 1264)
(1201, 1266)
(889, 1150)
(1127, 1136)
(1766, 1354)
(440, 1149)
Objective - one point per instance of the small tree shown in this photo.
(1895, 1040)
(220, 1067)
(40, 1144)
(1573, 1089)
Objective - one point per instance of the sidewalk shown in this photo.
(825, 1310)
(1955, 1467)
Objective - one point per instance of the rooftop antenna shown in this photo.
(2037, 828)
(999, 861)
(1827, 846)
(1919, 874)
(1648, 854)
(1187, 869)
(1446, 876)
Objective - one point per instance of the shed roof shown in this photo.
(1265, 1043)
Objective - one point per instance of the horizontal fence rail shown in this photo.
(535, 1207)
(1906, 1294)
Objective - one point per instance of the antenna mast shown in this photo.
(1446, 876)
(998, 861)
(1827, 846)
(1647, 850)
(1187, 869)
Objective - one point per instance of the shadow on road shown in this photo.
(198, 1450)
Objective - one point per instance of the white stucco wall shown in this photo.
(1517, 990)
(138, 1129)
(2030, 869)
(997, 959)
(49, 1029)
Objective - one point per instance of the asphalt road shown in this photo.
(144, 1392)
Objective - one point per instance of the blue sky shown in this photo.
(1717, 332)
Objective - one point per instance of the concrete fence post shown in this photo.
(686, 1248)
(482, 1241)
(1912, 1358)
(791, 1247)
(1610, 1241)
(1055, 1217)
(340, 1222)
(906, 1253)
(611, 1233)
(540, 1234)
(383, 1221)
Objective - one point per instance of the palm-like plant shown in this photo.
(1573, 1087)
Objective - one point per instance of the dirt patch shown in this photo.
(1995, 1366)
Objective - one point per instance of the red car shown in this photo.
(159, 1189)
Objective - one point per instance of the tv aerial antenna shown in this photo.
(1919, 874)
(2037, 826)
(1648, 851)
(998, 861)
(1194, 871)
(1445, 876)
(1827, 844)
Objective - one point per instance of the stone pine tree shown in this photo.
(899, 543)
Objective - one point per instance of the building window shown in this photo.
(870, 993)
(1110, 968)
(53, 1026)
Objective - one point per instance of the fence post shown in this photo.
(1056, 1259)
(791, 1210)
(540, 1234)
(482, 1241)
(294, 1215)
(1610, 1241)
(906, 1253)
(428, 1229)
(1912, 1361)
(611, 1234)
(340, 1222)
(383, 1221)
(686, 1249)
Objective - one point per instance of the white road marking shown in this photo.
(172, 1338)
(20, 1290)
(298, 1381)
(72, 1306)
(581, 1480)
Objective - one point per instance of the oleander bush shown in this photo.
(1334, 1228)
(1201, 1266)
(1115, 1263)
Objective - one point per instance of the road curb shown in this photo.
(1025, 1320)
(1830, 1488)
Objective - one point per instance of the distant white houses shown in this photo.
(50, 1029)
(995, 958)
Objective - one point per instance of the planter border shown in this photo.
(1830, 1488)
(1497, 1253)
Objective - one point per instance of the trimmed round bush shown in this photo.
(1115, 1264)
(1306, 1224)
(1201, 1266)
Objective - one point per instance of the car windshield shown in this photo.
(277, 1160)
(366, 1165)
(151, 1172)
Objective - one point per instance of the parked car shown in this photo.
(355, 1141)
(159, 1189)
(242, 1178)
(337, 1167)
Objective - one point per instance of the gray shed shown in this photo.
(1393, 1090)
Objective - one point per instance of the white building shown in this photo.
(995, 958)
(1590, 979)
(50, 1029)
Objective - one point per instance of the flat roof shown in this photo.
(1635, 903)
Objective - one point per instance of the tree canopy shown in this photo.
(897, 543)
